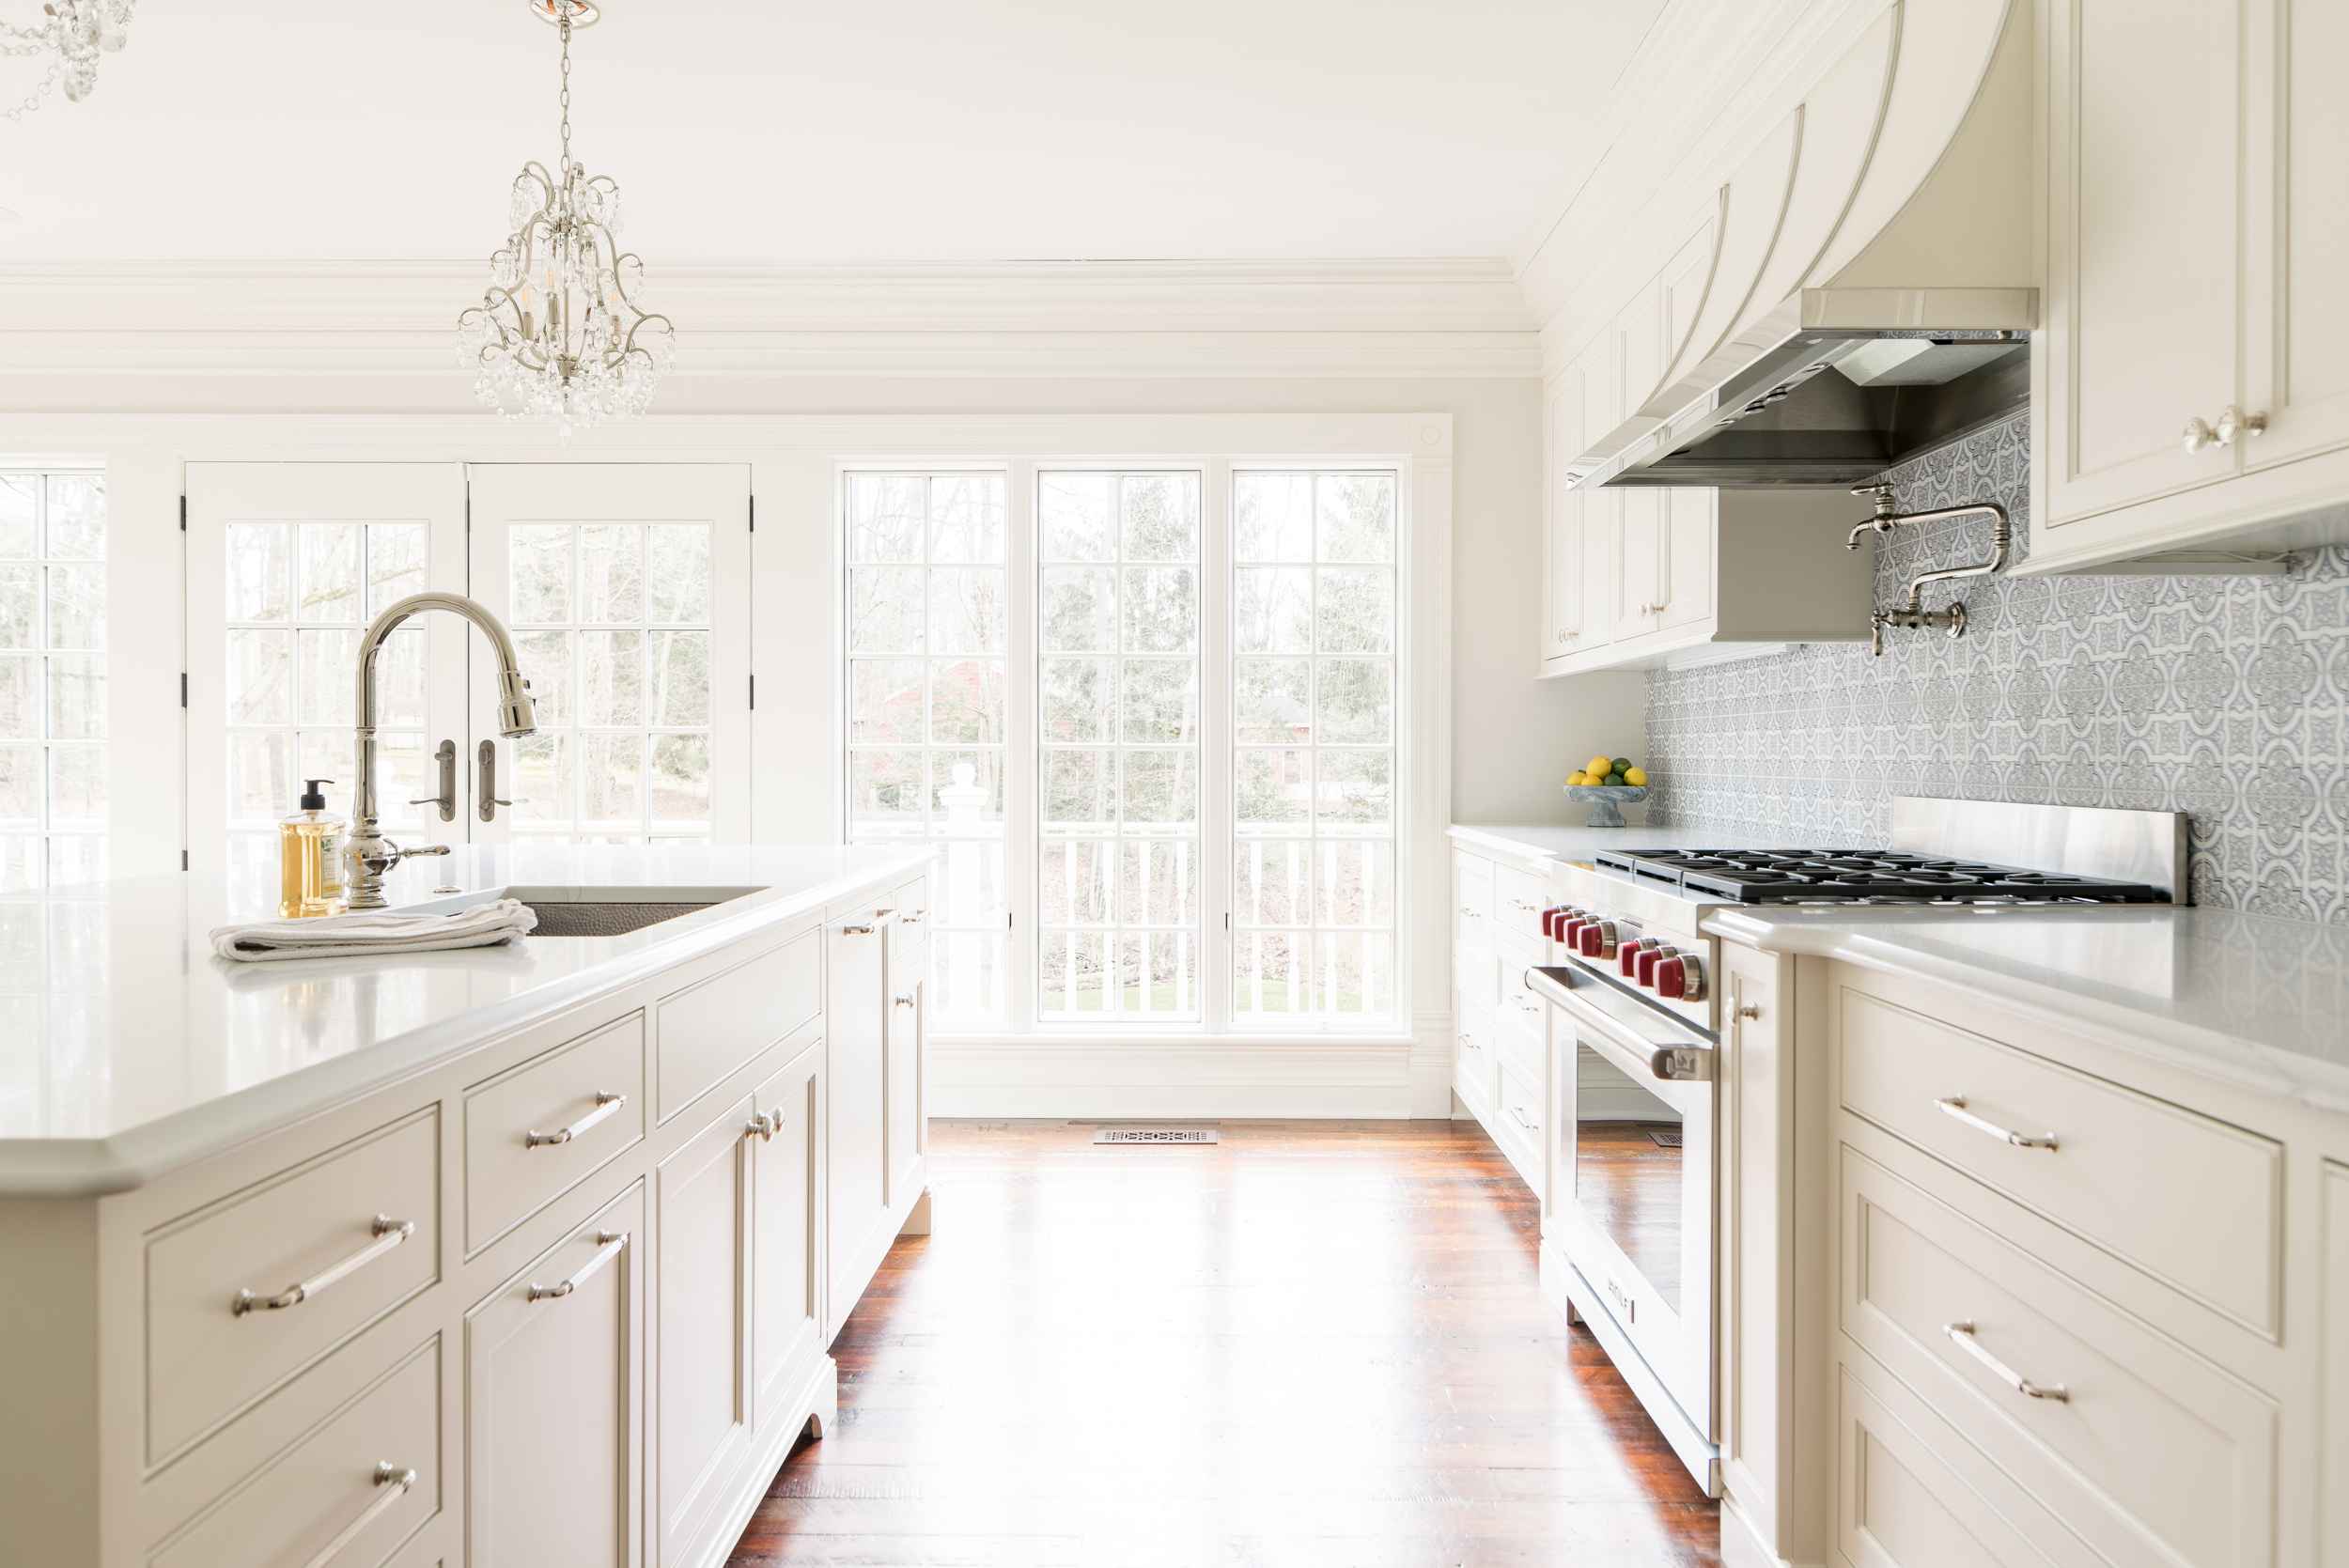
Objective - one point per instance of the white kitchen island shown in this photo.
(523, 1254)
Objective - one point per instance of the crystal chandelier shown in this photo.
(559, 332)
(76, 32)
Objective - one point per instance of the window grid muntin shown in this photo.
(1192, 953)
(30, 848)
(983, 929)
(1248, 936)
(575, 825)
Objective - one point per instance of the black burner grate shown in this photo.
(1847, 876)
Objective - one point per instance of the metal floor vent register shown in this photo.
(1157, 1135)
(1666, 1138)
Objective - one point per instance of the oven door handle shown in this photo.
(1683, 1063)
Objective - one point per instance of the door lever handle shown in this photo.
(446, 800)
(487, 770)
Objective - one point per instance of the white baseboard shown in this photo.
(1123, 1079)
(1742, 1545)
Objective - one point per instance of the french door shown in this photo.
(628, 589)
(626, 586)
(286, 563)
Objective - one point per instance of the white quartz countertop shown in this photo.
(1560, 842)
(2259, 1002)
(127, 1048)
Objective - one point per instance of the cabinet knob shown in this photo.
(2198, 434)
(2233, 422)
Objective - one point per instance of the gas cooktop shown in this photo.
(1855, 876)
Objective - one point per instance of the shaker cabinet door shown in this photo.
(2144, 282)
(786, 1289)
(554, 1378)
(855, 1084)
(2297, 356)
(701, 1201)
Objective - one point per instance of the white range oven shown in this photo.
(1635, 1031)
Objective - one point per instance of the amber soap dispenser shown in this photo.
(310, 858)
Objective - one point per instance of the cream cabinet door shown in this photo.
(702, 1315)
(787, 1186)
(1602, 530)
(2145, 281)
(905, 1087)
(2296, 352)
(856, 1158)
(554, 1377)
(1638, 580)
(1561, 544)
(2333, 1354)
(1691, 513)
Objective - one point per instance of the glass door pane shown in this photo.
(1117, 714)
(52, 679)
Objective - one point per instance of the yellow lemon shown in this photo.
(1634, 776)
(1578, 778)
(1599, 766)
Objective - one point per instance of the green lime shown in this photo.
(1620, 765)
(1614, 779)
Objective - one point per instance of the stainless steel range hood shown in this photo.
(1870, 290)
(1838, 408)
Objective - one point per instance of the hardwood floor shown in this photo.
(1630, 1185)
(1317, 1343)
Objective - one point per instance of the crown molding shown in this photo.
(1180, 318)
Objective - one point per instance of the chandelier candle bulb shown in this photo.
(559, 332)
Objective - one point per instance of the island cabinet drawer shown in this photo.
(538, 1130)
(2193, 1201)
(1472, 899)
(247, 1292)
(721, 1021)
(2150, 1453)
(349, 1492)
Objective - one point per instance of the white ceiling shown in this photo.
(830, 131)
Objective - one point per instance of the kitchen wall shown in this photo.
(2226, 698)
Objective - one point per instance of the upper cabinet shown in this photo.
(1666, 574)
(2192, 380)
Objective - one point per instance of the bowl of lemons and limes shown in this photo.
(1608, 784)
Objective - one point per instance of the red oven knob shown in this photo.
(1552, 918)
(1568, 919)
(1598, 940)
(1680, 976)
(1644, 974)
(1627, 954)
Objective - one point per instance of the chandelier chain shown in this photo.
(563, 99)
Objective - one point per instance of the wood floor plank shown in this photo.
(1313, 1343)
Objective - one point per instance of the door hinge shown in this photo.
(184, 514)
(183, 689)
(183, 860)
(754, 693)
(753, 514)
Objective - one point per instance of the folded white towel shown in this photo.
(360, 935)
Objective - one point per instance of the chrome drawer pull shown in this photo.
(1961, 1334)
(858, 930)
(608, 1246)
(1521, 1121)
(911, 917)
(763, 1125)
(906, 1000)
(606, 1105)
(393, 1481)
(1955, 1105)
(388, 1233)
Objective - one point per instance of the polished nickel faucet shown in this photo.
(368, 854)
(1910, 614)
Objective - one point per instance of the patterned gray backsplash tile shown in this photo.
(2226, 698)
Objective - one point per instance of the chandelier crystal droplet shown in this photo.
(74, 33)
(559, 332)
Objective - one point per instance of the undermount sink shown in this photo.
(573, 918)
